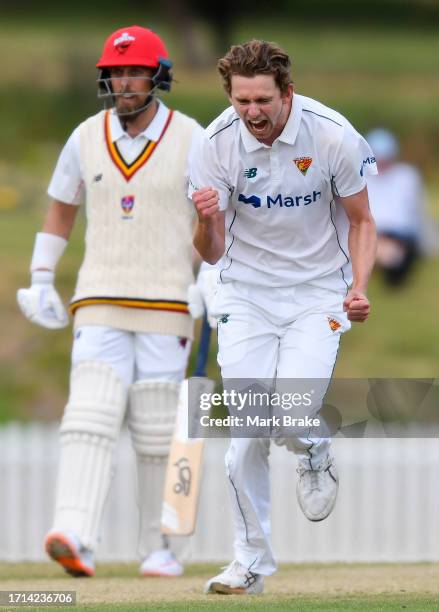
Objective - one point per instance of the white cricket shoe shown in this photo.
(161, 563)
(235, 580)
(65, 548)
(317, 490)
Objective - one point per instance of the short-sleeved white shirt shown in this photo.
(66, 184)
(283, 223)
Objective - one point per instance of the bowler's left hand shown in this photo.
(357, 306)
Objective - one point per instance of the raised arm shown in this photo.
(209, 238)
(209, 189)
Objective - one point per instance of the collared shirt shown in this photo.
(284, 225)
(66, 184)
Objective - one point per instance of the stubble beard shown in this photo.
(128, 112)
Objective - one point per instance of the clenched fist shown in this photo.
(357, 306)
(206, 202)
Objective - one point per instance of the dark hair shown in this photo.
(256, 57)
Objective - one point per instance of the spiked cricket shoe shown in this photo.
(161, 563)
(317, 490)
(235, 580)
(66, 549)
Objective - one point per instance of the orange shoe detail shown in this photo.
(61, 550)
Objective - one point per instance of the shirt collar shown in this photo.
(288, 135)
(152, 131)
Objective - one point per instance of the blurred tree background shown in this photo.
(374, 61)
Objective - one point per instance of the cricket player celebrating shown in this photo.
(278, 182)
(132, 325)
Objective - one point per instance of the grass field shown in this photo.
(414, 587)
(400, 339)
(374, 76)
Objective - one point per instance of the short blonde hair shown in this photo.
(256, 57)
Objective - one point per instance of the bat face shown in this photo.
(183, 476)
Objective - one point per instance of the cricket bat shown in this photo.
(183, 476)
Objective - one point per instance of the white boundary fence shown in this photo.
(387, 510)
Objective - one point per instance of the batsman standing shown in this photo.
(278, 182)
(132, 328)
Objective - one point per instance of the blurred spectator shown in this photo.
(398, 204)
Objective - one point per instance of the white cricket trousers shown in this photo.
(134, 356)
(272, 333)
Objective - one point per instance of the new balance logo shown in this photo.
(97, 178)
(250, 172)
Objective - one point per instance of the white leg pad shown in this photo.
(151, 416)
(89, 431)
(96, 396)
(151, 420)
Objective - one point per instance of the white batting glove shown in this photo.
(201, 295)
(41, 303)
(195, 302)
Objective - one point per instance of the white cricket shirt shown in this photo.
(283, 225)
(67, 182)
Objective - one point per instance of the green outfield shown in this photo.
(414, 587)
(399, 340)
(374, 76)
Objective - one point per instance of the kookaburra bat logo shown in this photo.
(184, 475)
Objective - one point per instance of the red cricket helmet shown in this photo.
(137, 46)
(133, 46)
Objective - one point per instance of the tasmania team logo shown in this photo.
(333, 324)
(303, 163)
(127, 203)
